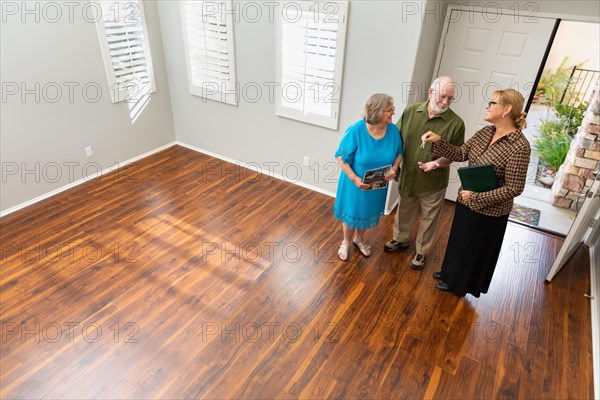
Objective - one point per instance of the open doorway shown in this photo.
(570, 74)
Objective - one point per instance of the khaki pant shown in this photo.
(430, 207)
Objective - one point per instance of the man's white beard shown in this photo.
(437, 109)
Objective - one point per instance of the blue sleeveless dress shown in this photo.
(361, 209)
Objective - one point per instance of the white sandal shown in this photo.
(364, 248)
(343, 252)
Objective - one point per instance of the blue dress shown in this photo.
(361, 209)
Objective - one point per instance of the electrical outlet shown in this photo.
(306, 161)
(88, 151)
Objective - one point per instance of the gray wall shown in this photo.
(47, 135)
(391, 47)
(381, 48)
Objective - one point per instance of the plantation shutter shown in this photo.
(126, 50)
(311, 39)
(208, 33)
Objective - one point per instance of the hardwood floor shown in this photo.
(184, 277)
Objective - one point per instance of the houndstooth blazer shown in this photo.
(510, 156)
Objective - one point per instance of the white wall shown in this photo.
(572, 10)
(381, 48)
(580, 42)
(47, 135)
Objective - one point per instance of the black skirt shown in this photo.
(473, 251)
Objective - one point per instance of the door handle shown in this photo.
(591, 194)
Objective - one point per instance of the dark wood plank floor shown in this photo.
(182, 276)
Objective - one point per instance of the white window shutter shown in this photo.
(310, 56)
(125, 49)
(209, 49)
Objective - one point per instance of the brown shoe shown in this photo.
(394, 245)
(418, 262)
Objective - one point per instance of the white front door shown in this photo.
(585, 228)
(483, 52)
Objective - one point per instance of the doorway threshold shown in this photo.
(551, 219)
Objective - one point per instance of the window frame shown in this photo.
(130, 90)
(226, 92)
(326, 9)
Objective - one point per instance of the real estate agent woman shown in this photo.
(480, 219)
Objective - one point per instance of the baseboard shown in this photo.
(83, 180)
(254, 168)
(595, 300)
(149, 153)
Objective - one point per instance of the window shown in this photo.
(208, 36)
(125, 49)
(310, 57)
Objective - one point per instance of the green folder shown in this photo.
(478, 178)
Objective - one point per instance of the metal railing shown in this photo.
(580, 87)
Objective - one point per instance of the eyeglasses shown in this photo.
(449, 99)
(491, 103)
(393, 109)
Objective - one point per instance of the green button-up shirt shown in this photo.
(413, 123)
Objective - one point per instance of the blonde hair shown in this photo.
(515, 99)
(374, 107)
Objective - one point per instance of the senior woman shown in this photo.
(480, 218)
(370, 143)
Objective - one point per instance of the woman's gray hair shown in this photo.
(374, 107)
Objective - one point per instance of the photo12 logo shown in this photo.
(61, 252)
(51, 92)
(53, 12)
(269, 331)
(289, 93)
(66, 172)
(455, 11)
(255, 11)
(71, 92)
(54, 332)
(253, 172)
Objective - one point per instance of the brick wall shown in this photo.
(575, 176)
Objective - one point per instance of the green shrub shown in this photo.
(555, 136)
(552, 85)
(553, 142)
(571, 116)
